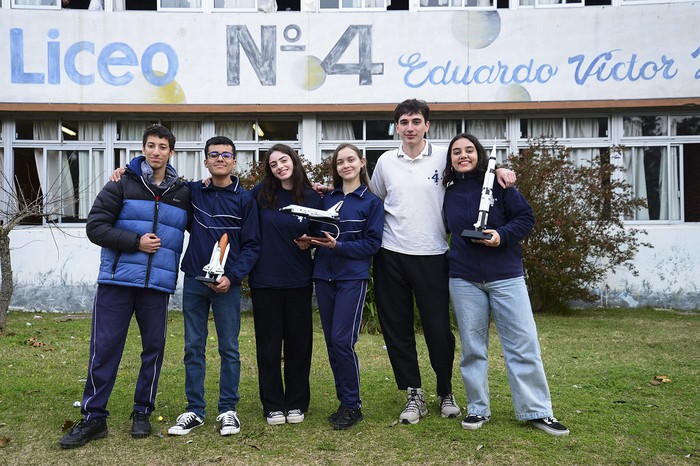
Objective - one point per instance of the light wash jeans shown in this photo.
(507, 300)
(197, 299)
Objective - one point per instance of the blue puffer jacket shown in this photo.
(126, 210)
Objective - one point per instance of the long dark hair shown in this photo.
(482, 161)
(337, 180)
(271, 184)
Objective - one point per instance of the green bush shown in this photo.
(579, 235)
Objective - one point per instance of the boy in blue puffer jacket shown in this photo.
(140, 224)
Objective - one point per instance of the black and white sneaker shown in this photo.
(229, 423)
(474, 421)
(550, 425)
(185, 423)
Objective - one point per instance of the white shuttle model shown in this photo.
(215, 268)
(324, 216)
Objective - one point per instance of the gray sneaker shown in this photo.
(415, 407)
(448, 407)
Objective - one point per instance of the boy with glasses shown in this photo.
(221, 207)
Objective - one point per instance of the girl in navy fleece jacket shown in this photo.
(341, 274)
(486, 279)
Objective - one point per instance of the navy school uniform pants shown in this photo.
(111, 315)
(340, 305)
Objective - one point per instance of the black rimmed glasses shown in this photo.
(216, 155)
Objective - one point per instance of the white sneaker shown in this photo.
(295, 416)
(229, 423)
(185, 423)
(448, 407)
(275, 418)
(415, 407)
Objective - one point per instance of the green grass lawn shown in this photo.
(600, 364)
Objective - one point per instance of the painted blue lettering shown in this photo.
(53, 63)
(602, 68)
(17, 73)
(486, 74)
(116, 54)
(159, 79)
(69, 63)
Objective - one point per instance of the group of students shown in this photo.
(398, 222)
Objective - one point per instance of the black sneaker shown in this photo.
(347, 417)
(473, 421)
(85, 431)
(185, 423)
(141, 425)
(333, 417)
(550, 425)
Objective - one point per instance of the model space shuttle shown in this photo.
(325, 216)
(215, 268)
(485, 203)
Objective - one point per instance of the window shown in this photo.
(180, 5)
(353, 5)
(61, 165)
(253, 137)
(541, 127)
(237, 5)
(652, 125)
(456, 4)
(37, 4)
(653, 173)
(550, 3)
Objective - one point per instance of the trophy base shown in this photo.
(476, 235)
(206, 279)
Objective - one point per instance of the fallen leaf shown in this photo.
(662, 378)
(35, 343)
(4, 441)
(479, 447)
(67, 425)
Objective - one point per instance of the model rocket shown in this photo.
(215, 268)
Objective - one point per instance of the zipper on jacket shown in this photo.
(116, 262)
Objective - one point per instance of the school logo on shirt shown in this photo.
(435, 177)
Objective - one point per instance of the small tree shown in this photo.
(579, 235)
(15, 208)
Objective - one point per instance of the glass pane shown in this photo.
(41, 130)
(245, 160)
(278, 130)
(685, 126)
(241, 130)
(90, 179)
(72, 130)
(379, 130)
(487, 129)
(190, 131)
(341, 130)
(50, 4)
(650, 125)
(542, 127)
(646, 169)
(329, 4)
(372, 155)
(586, 127)
(235, 4)
(132, 130)
(180, 4)
(189, 164)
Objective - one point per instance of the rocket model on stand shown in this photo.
(485, 203)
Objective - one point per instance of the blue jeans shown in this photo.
(197, 299)
(507, 300)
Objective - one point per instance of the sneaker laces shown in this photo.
(549, 420)
(228, 418)
(185, 418)
(412, 405)
(448, 400)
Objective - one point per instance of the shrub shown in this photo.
(579, 235)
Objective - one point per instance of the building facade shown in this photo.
(81, 80)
